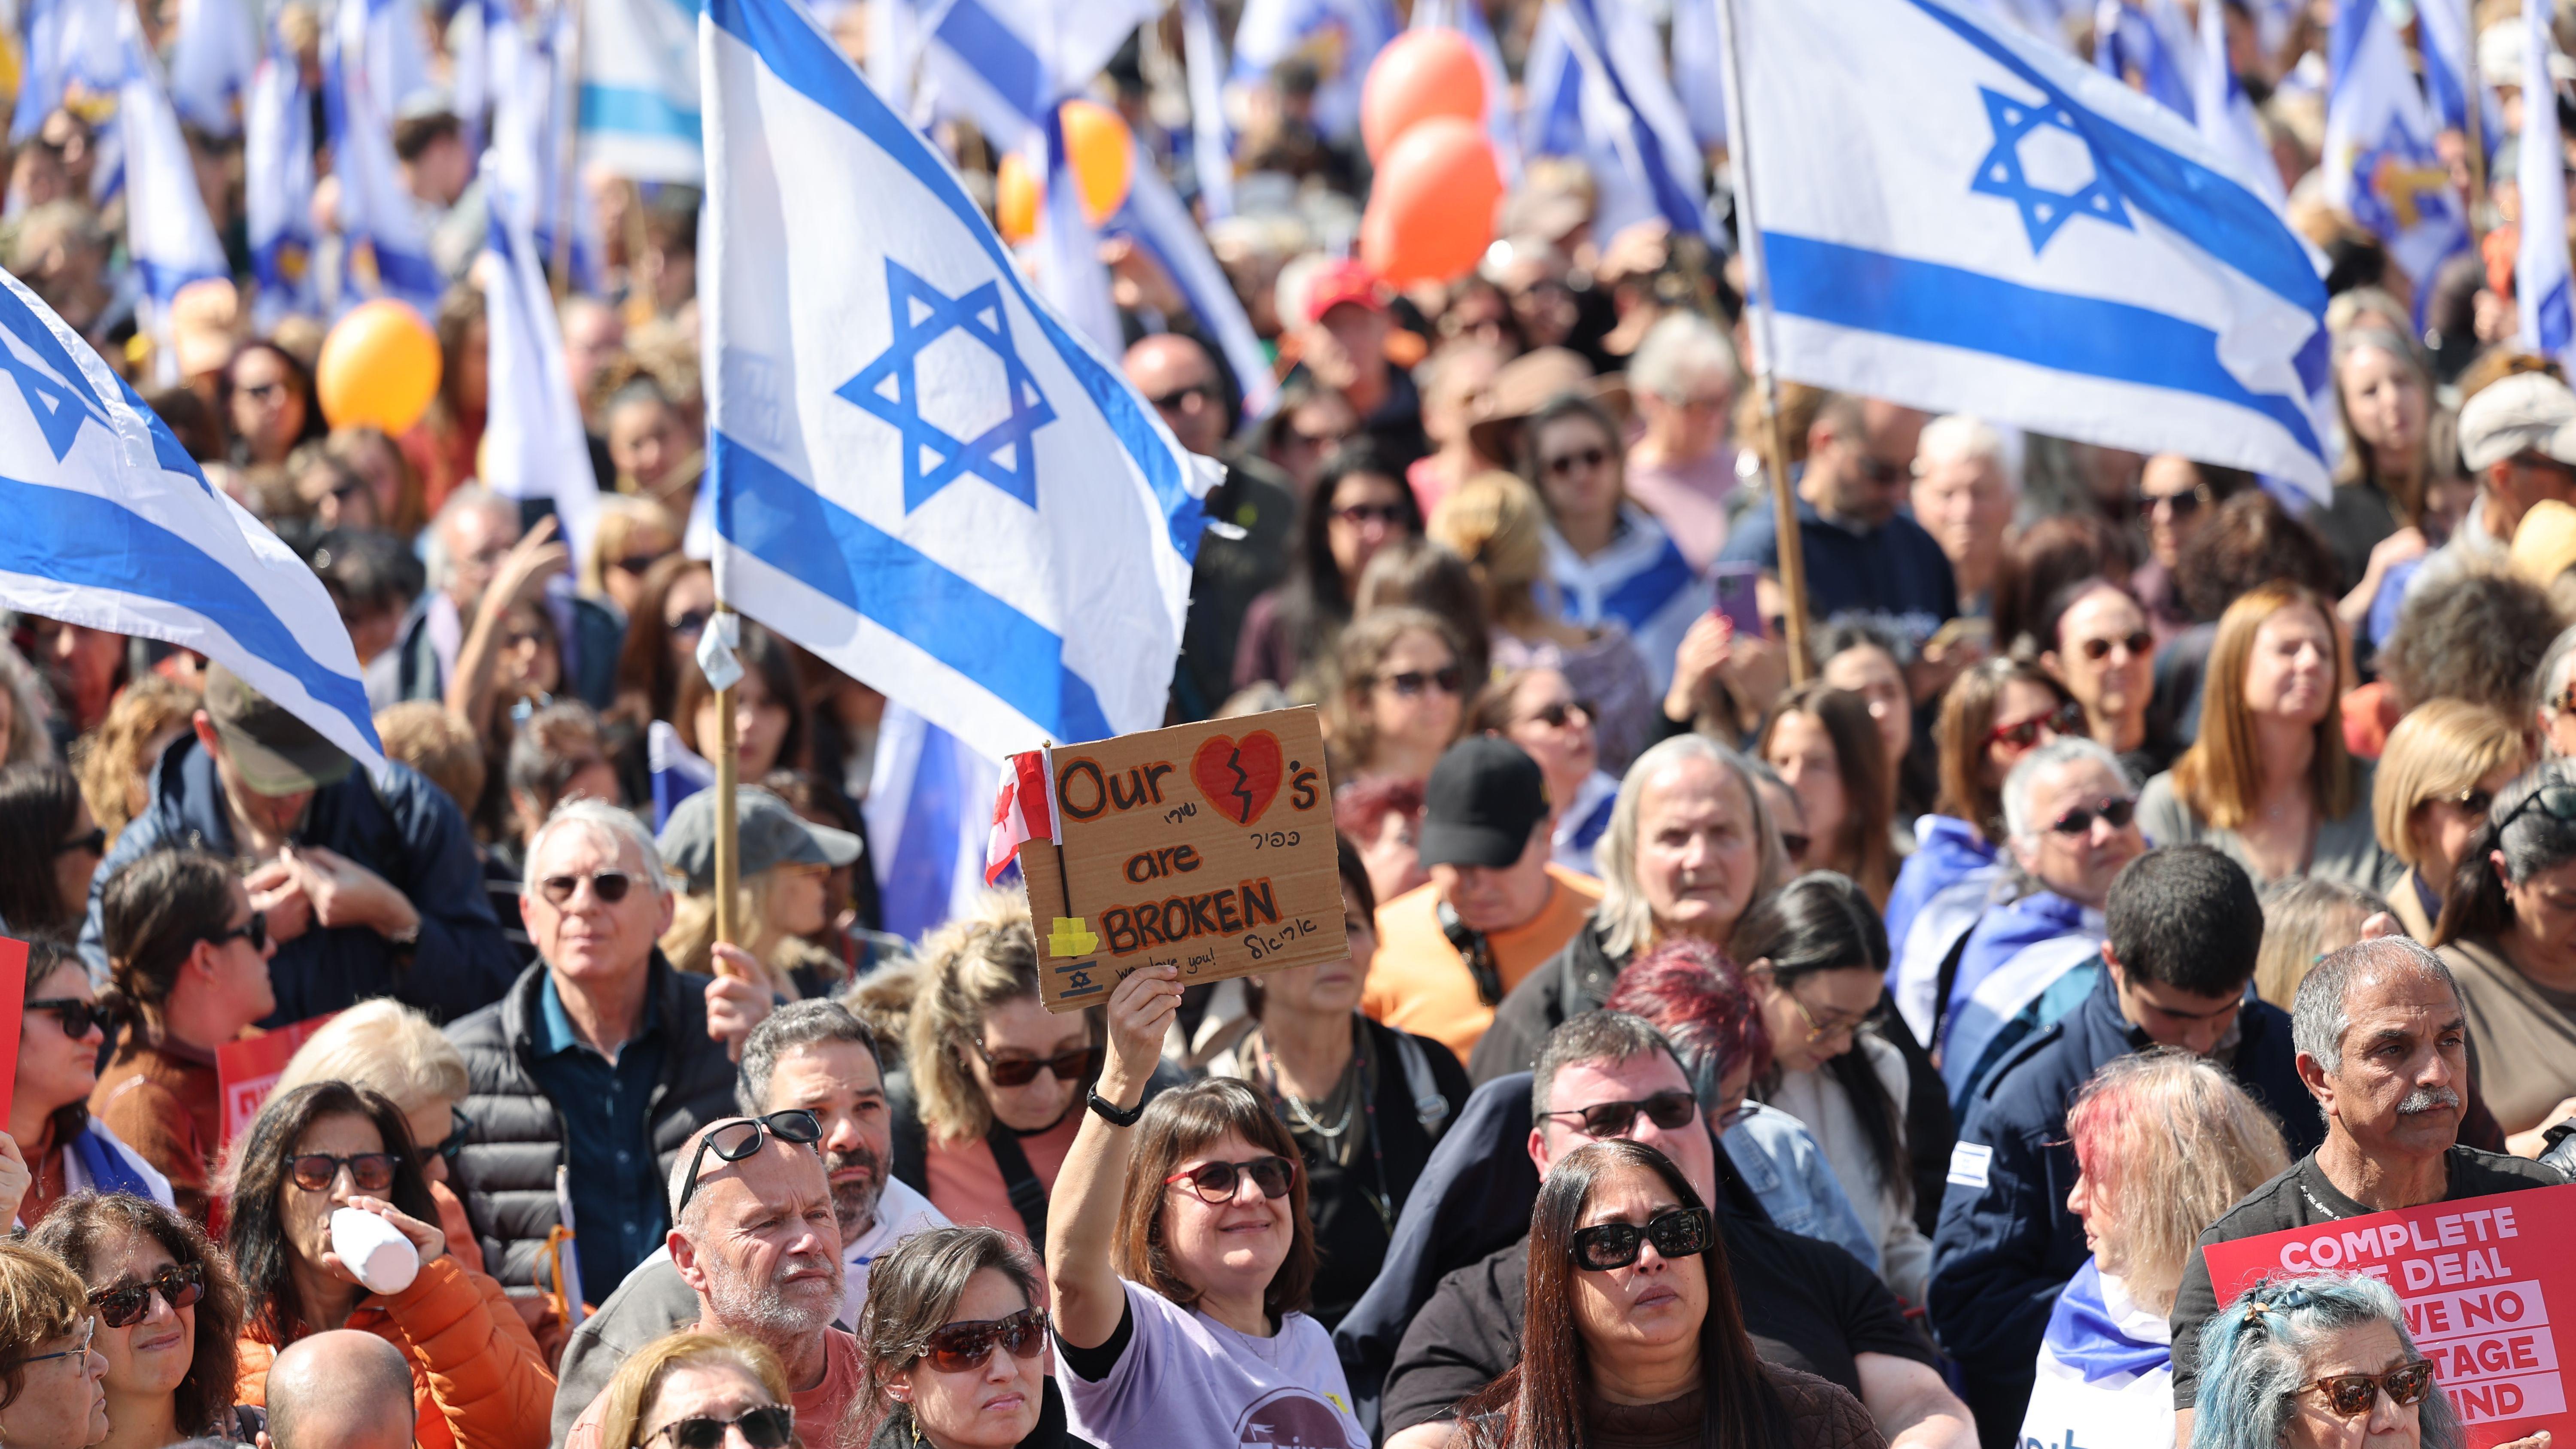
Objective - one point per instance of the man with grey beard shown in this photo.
(2383, 1047)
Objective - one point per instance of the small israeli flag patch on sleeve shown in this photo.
(1968, 1161)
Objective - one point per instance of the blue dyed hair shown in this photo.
(2254, 1354)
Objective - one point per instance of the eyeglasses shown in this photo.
(767, 1427)
(2475, 802)
(87, 1331)
(2117, 813)
(610, 886)
(2099, 649)
(254, 930)
(689, 625)
(2350, 1395)
(451, 1146)
(1067, 1066)
(964, 1347)
(125, 1305)
(1179, 397)
(1681, 1233)
(738, 1138)
(1359, 514)
(76, 1015)
(1557, 714)
(1820, 1028)
(1215, 1182)
(2178, 505)
(369, 1172)
(1796, 844)
(1411, 682)
(1670, 1110)
(94, 843)
(1586, 459)
(2558, 802)
(2021, 734)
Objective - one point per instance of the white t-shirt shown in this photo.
(901, 1212)
(1187, 1379)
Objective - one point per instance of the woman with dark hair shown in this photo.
(1400, 696)
(169, 1314)
(268, 404)
(50, 848)
(477, 1378)
(1824, 744)
(1633, 1336)
(1359, 504)
(2046, 557)
(187, 971)
(768, 705)
(672, 607)
(53, 1147)
(2094, 637)
(1816, 956)
(1538, 710)
(954, 1338)
(52, 1394)
(2511, 944)
(2175, 497)
(1609, 558)
(1181, 1255)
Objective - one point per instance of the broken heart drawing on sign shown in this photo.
(1239, 777)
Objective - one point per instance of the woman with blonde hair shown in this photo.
(394, 1051)
(2443, 766)
(955, 1342)
(2268, 782)
(2306, 920)
(686, 1389)
(1399, 695)
(2165, 1143)
(631, 535)
(53, 1393)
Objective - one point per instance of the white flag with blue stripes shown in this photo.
(113, 527)
(277, 189)
(2226, 115)
(1981, 222)
(930, 816)
(1598, 92)
(2148, 44)
(167, 232)
(2540, 289)
(363, 58)
(533, 444)
(639, 89)
(211, 63)
(2380, 163)
(1339, 37)
(920, 473)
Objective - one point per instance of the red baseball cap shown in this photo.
(1342, 281)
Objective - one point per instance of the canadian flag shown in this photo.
(1020, 811)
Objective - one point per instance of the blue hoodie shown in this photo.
(2014, 955)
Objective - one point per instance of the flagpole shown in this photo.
(1791, 546)
(2474, 123)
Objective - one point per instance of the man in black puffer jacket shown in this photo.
(601, 1059)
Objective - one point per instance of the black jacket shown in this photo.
(1577, 979)
(1349, 1236)
(506, 1174)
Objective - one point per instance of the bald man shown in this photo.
(339, 1390)
(1181, 380)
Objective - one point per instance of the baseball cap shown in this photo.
(769, 834)
(1340, 282)
(1485, 797)
(272, 751)
(2527, 412)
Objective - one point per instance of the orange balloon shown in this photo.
(1102, 153)
(1017, 195)
(1420, 74)
(379, 366)
(1431, 208)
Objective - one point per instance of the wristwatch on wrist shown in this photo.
(1112, 1115)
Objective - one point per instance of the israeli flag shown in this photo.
(2442, 33)
(74, 49)
(2105, 1370)
(533, 443)
(2540, 286)
(1983, 223)
(534, 97)
(277, 190)
(639, 89)
(211, 64)
(930, 812)
(678, 771)
(166, 230)
(2380, 165)
(2150, 45)
(2226, 115)
(1156, 219)
(1341, 37)
(375, 207)
(112, 526)
(1603, 97)
(921, 474)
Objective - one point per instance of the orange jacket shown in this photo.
(477, 1379)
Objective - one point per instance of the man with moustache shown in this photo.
(810, 1054)
(2383, 1047)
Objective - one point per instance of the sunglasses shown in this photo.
(1681, 1233)
(2350, 1395)
(1360, 514)
(1560, 713)
(2115, 813)
(124, 1306)
(734, 1140)
(1669, 1110)
(2558, 802)
(2022, 734)
(610, 886)
(369, 1172)
(2475, 802)
(635, 563)
(76, 1015)
(1797, 845)
(453, 1144)
(1067, 1066)
(254, 930)
(88, 1331)
(2179, 505)
(1215, 1182)
(1411, 682)
(965, 1347)
(690, 624)
(1179, 397)
(94, 843)
(1586, 459)
(2099, 649)
(768, 1427)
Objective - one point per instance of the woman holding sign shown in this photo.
(2322, 1362)
(64, 1149)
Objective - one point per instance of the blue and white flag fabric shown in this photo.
(2149, 44)
(921, 474)
(930, 813)
(1699, 62)
(2442, 34)
(1339, 37)
(533, 101)
(277, 190)
(113, 527)
(1984, 223)
(2225, 114)
(2540, 283)
(75, 53)
(211, 64)
(2380, 164)
(1211, 141)
(639, 89)
(533, 442)
(1645, 161)
(376, 209)
(1067, 249)
(678, 771)
(2105, 1370)
(167, 233)
(1156, 219)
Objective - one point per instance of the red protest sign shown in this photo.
(246, 1069)
(13, 995)
(2477, 1278)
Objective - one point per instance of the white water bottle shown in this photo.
(375, 1250)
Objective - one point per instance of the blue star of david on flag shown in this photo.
(2042, 211)
(933, 458)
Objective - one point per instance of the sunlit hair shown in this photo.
(1497, 524)
(2304, 918)
(620, 518)
(978, 961)
(912, 1293)
(84, 1227)
(1625, 918)
(2256, 1352)
(2221, 776)
(1960, 736)
(41, 1300)
(626, 1405)
(2167, 1143)
(2440, 749)
(387, 1047)
(1177, 1126)
(110, 759)
(1349, 722)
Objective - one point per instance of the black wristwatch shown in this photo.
(1112, 1115)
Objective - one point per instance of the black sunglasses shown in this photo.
(1670, 1110)
(2558, 802)
(740, 1137)
(610, 885)
(2350, 1395)
(453, 1144)
(1585, 458)
(95, 843)
(2476, 802)
(2116, 813)
(254, 930)
(1067, 1066)
(692, 623)
(1214, 1182)
(1680, 1233)
(1557, 713)
(1179, 397)
(635, 563)
(2182, 505)
(1447, 679)
(76, 1015)
(369, 1172)
(1356, 514)
(1796, 844)
(964, 1347)
(2137, 644)
(125, 1305)
(767, 1427)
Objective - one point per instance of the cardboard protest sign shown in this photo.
(2477, 1277)
(245, 1070)
(13, 993)
(1208, 847)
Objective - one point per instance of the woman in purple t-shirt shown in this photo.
(1180, 1254)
